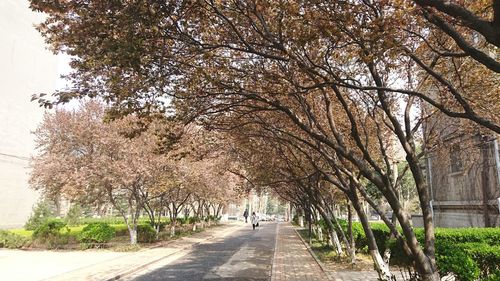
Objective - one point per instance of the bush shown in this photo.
(11, 240)
(145, 233)
(193, 220)
(380, 231)
(41, 213)
(468, 253)
(96, 235)
(49, 233)
(487, 258)
(452, 259)
(161, 225)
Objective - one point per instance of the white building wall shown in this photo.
(26, 68)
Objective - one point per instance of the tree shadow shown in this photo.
(243, 256)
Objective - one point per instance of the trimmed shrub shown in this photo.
(380, 231)
(382, 234)
(487, 258)
(11, 240)
(468, 253)
(96, 235)
(452, 259)
(193, 220)
(120, 229)
(50, 233)
(145, 233)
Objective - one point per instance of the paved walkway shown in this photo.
(354, 276)
(243, 255)
(292, 261)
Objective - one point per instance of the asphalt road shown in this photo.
(244, 255)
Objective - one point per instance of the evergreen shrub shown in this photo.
(41, 213)
(53, 233)
(145, 233)
(96, 234)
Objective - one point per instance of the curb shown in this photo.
(273, 266)
(123, 273)
(315, 257)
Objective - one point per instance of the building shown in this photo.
(26, 68)
(463, 172)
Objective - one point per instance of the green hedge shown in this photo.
(96, 235)
(145, 233)
(380, 231)
(469, 253)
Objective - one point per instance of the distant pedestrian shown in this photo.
(245, 214)
(255, 220)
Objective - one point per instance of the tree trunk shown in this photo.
(382, 268)
(336, 242)
(352, 244)
(132, 229)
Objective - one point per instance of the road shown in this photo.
(244, 255)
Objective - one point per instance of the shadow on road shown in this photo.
(245, 255)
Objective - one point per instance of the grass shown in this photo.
(327, 255)
(23, 232)
(74, 230)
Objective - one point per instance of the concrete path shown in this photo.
(39, 265)
(355, 276)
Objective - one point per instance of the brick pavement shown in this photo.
(292, 261)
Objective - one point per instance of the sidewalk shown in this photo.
(292, 261)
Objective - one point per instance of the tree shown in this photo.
(338, 77)
(458, 19)
(83, 158)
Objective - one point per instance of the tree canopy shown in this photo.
(337, 92)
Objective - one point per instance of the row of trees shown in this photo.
(134, 165)
(332, 90)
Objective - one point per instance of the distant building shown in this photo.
(26, 68)
(463, 171)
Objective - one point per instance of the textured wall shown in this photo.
(26, 68)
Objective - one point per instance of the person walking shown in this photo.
(245, 214)
(255, 220)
